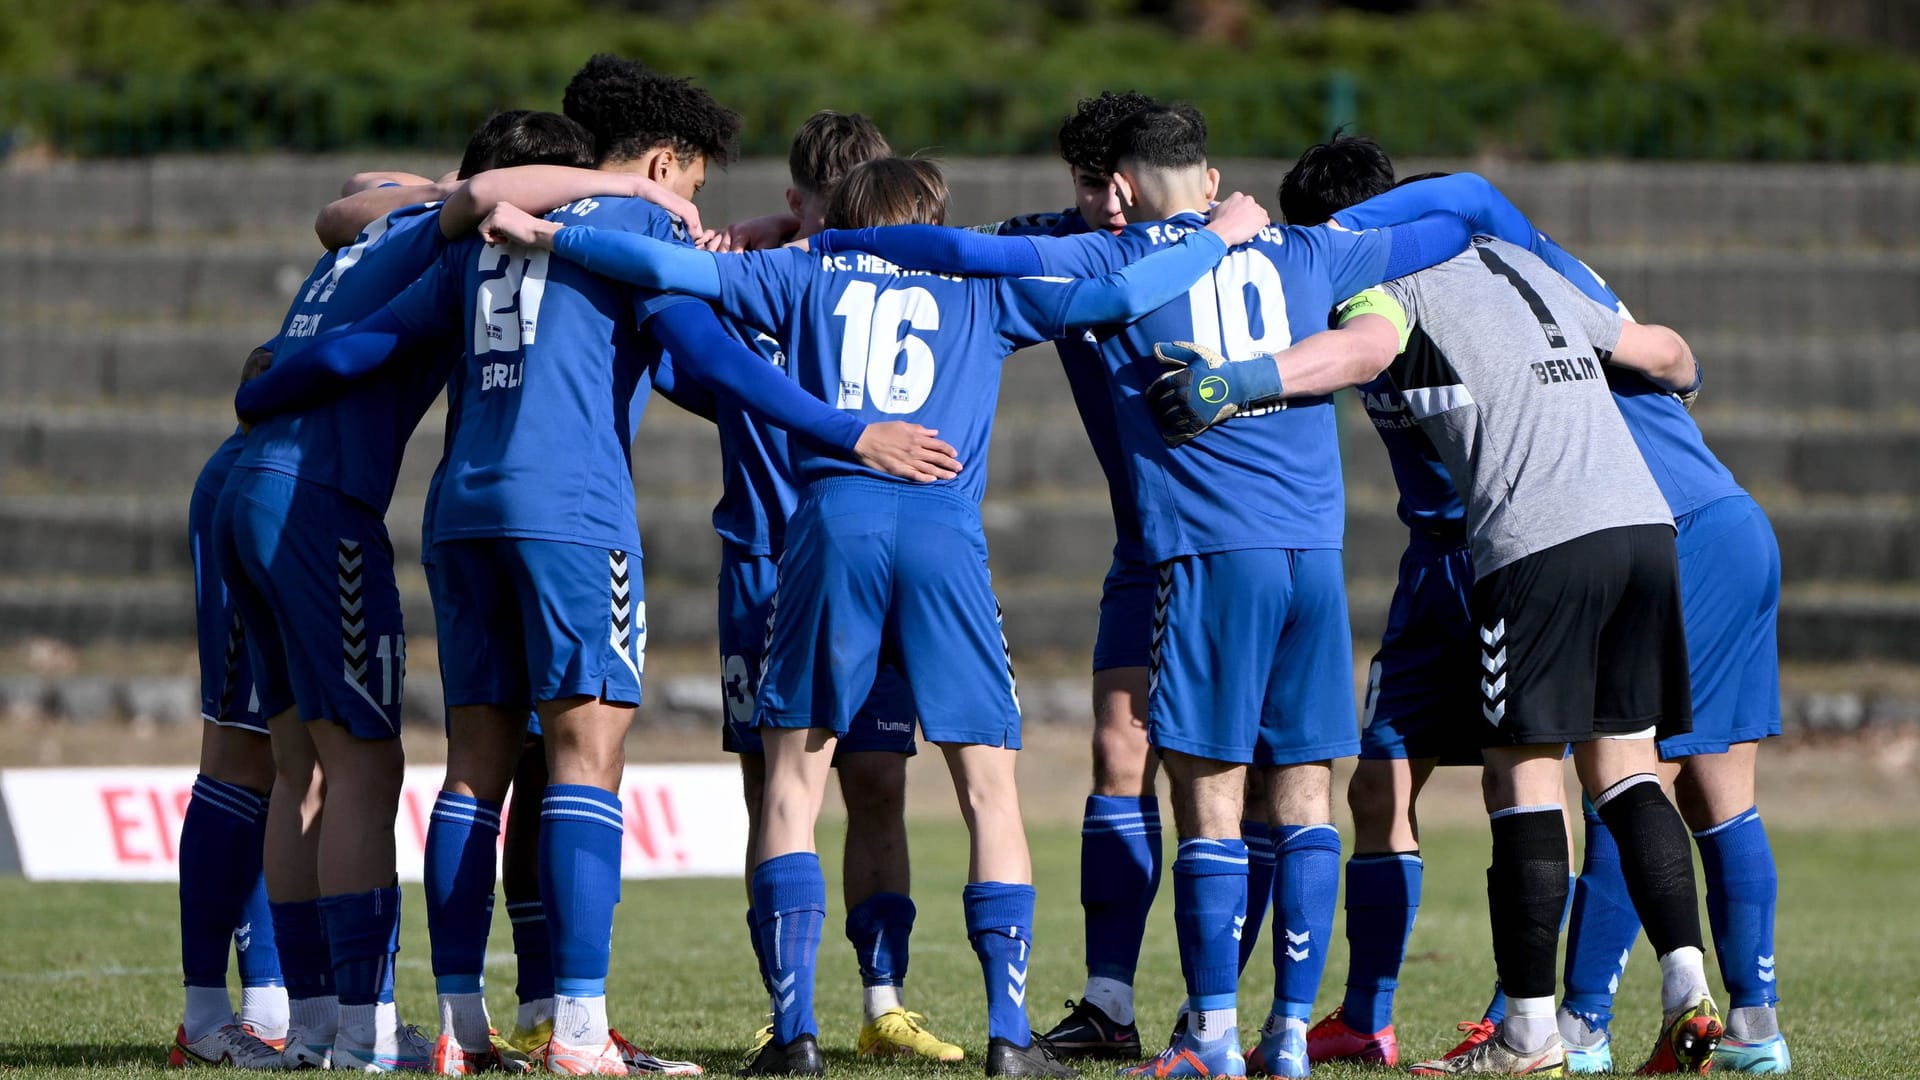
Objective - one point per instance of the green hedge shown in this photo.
(1515, 77)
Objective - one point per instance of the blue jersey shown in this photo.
(353, 442)
(887, 344)
(1264, 480)
(544, 396)
(1688, 474)
(1427, 496)
(1087, 380)
(757, 492)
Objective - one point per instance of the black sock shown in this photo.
(1526, 891)
(1656, 858)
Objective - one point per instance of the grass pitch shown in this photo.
(89, 981)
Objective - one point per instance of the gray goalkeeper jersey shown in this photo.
(1502, 370)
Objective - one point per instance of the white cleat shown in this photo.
(228, 1044)
(412, 1052)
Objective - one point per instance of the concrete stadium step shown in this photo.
(1031, 538)
(1762, 291)
(78, 449)
(90, 362)
(1582, 204)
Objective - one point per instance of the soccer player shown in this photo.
(533, 525)
(1252, 655)
(854, 581)
(1729, 581)
(304, 547)
(223, 898)
(1422, 706)
(757, 500)
(1499, 360)
(1120, 855)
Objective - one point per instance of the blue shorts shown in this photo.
(526, 621)
(229, 696)
(747, 582)
(878, 567)
(1125, 638)
(1253, 658)
(1730, 601)
(311, 572)
(1423, 692)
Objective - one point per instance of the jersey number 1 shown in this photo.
(872, 346)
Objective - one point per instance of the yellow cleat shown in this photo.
(528, 1041)
(512, 1058)
(897, 1033)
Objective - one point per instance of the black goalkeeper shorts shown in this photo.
(1584, 640)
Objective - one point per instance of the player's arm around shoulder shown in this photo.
(1661, 354)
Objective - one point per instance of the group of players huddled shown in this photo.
(1580, 571)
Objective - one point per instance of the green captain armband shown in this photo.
(1376, 301)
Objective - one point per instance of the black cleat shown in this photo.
(1088, 1032)
(1179, 1027)
(801, 1057)
(1034, 1059)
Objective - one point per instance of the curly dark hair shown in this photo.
(1085, 133)
(1333, 175)
(630, 110)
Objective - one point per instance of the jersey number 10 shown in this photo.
(872, 346)
(1224, 303)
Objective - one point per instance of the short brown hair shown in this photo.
(889, 191)
(829, 145)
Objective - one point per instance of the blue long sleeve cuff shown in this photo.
(702, 349)
(938, 248)
(324, 368)
(1433, 239)
(640, 260)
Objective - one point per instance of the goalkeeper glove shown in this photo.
(1202, 388)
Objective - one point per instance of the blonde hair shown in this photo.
(889, 191)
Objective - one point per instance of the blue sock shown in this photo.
(1496, 1010)
(1119, 873)
(221, 841)
(1260, 856)
(1209, 900)
(463, 836)
(580, 833)
(879, 929)
(1000, 925)
(306, 962)
(1306, 885)
(532, 950)
(254, 941)
(1383, 898)
(1602, 929)
(790, 899)
(363, 934)
(759, 952)
(1742, 887)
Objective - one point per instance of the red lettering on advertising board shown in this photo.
(121, 823)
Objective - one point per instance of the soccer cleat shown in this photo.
(1593, 1056)
(512, 1058)
(567, 1060)
(899, 1033)
(1765, 1056)
(801, 1057)
(1283, 1053)
(303, 1050)
(412, 1052)
(1088, 1032)
(639, 1061)
(1477, 1031)
(452, 1059)
(760, 1040)
(1493, 1057)
(529, 1040)
(1037, 1058)
(1332, 1039)
(228, 1044)
(1189, 1057)
(1687, 1043)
